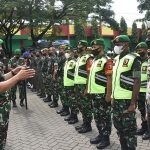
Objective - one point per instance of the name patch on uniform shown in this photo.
(99, 64)
(125, 63)
(71, 64)
(84, 59)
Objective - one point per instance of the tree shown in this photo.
(95, 31)
(123, 26)
(144, 32)
(80, 33)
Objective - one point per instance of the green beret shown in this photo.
(121, 38)
(17, 51)
(69, 48)
(141, 45)
(1, 41)
(83, 42)
(99, 41)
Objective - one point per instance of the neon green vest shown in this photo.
(122, 84)
(97, 79)
(69, 69)
(80, 71)
(144, 76)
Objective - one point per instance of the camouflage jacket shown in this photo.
(45, 64)
(14, 62)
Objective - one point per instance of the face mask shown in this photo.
(50, 54)
(1, 56)
(67, 55)
(148, 53)
(75, 56)
(44, 54)
(60, 54)
(79, 50)
(142, 54)
(37, 55)
(109, 55)
(25, 57)
(95, 52)
(118, 49)
(17, 57)
(31, 55)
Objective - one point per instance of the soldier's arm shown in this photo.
(136, 69)
(108, 72)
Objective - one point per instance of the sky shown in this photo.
(127, 9)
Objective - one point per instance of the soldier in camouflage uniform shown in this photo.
(100, 86)
(141, 49)
(125, 89)
(14, 62)
(70, 99)
(44, 73)
(60, 73)
(82, 70)
(51, 86)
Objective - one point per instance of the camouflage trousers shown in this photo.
(21, 91)
(54, 90)
(44, 75)
(84, 103)
(102, 114)
(48, 85)
(124, 122)
(141, 105)
(62, 91)
(71, 100)
(4, 120)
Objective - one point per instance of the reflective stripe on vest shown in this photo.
(69, 69)
(80, 70)
(122, 84)
(97, 79)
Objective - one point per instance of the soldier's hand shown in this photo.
(53, 79)
(108, 99)
(25, 74)
(74, 90)
(146, 116)
(85, 92)
(16, 70)
(131, 108)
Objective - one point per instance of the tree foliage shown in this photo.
(95, 30)
(134, 36)
(144, 32)
(123, 26)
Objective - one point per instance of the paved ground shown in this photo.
(43, 129)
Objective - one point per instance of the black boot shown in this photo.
(146, 135)
(104, 142)
(69, 117)
(39, 94)
(79, 127)
(60, 111)
(143, 129)
(129, 148)
(66, 111)
(96, 140)
(74, 119)
(48, 99)
(86, 128)
(54, 104)
(42, 96)
(21, 103)
(123, 143)
(14, 104)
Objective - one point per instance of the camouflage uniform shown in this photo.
(4, 112)
(13, 63)
(125, 122)
(44, 73)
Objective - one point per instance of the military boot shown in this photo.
(96, 140)
(21, 102)
(14, 104)
(39, 94)
(43, 96)
(80, 126)
(68, 118)
(129, 148)
(48, 99)
(146, 135)
(104, 142)
(54, 104)
(86, 128)
(143, 129)
(66, 111)
(60, 111)
(74, 119)
(123, 143)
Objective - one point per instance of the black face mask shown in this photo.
(1, 56)
(109, 55)
(37, 55)
(17, 57)
(50, 54)
(141, 54)
(95, 52)
(44, 54)
(31, 55)
(79, 50)
(148, 53)
(75, 56)
(60, 54)
(25, 57)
